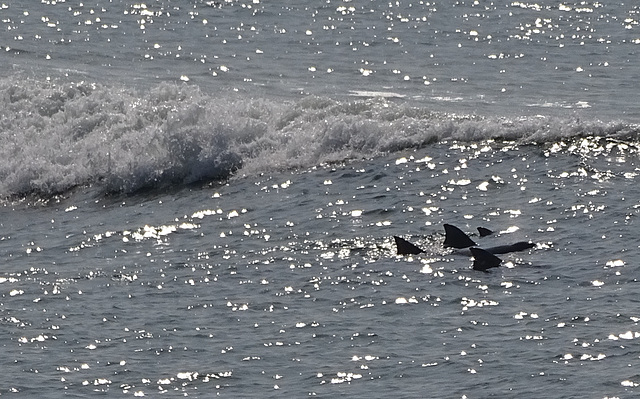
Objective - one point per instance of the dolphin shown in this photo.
(404, 247)
(484, 232)
(456, 238)
(483, 259)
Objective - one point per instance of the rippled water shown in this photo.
(470, 56)
(289, 284)
(198, 198)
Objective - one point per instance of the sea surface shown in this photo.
(199, 198)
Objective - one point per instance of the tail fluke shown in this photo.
(483, 260)
(404, 247)
(456, 238)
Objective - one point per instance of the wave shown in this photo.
(59, 135)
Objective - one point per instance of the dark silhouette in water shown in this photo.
(484, 259)
(404, 247)
(484, 232)
(456, 238)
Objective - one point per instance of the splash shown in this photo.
(60, 135)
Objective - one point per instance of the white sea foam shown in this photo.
(63, 134)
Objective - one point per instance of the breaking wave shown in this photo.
(60, 135)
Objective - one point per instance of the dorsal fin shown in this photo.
(484, 232)
(404, 247)
(456, 238)
(483, 260)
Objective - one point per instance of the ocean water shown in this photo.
(199, 198)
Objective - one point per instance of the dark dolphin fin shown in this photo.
(404, 247)
(483, 260)
(503, 249)
(484, 231)
(456, 238)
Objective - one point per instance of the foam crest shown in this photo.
(61, 135)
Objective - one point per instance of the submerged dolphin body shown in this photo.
(483, 259)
